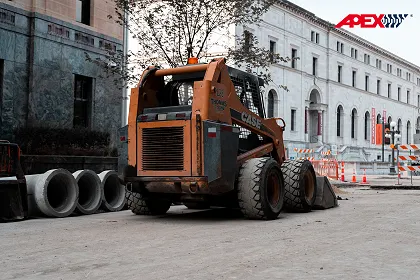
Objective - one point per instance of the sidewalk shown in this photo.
(380, 182)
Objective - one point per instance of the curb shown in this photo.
(396, 187)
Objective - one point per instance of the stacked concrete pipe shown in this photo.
(90, 191)
(54, 193)
(113, 192)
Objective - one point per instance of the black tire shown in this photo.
(197, 205)
(300, 185)
(260, 189)
(141, 206)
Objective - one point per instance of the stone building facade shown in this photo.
(340, 88)
(45, 79)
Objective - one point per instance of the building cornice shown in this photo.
(330, 27)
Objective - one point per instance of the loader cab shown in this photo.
(176, 97)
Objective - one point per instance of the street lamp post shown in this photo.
(393, 135)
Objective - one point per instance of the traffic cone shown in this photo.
(364, 177)
(353, 179)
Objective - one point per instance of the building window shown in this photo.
(354, 78)
(354, 53)
(378, 63)
(314, 66)
(367, 58)
(339, 122)
(418, 82)
(353, 123)
(83, 11)
(378, 86)
(340, 73)
(272, 50)
(293, 120)
(313, 36)
(389, 68)
(408, 76)
(340, 47)
(389, 90)
(83, 88)
(317, 38)
(399, 72)
(247, 43)
(408, 97)
(399, 94)
(366, 83)
(270, 105)
(367, 125)
(408, 132)
(418, 100)
(294, 55)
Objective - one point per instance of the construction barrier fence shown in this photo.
(326, 168)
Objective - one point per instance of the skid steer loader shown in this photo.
(198, 134)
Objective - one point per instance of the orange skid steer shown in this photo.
(198, 135)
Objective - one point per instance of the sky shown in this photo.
(403, 41)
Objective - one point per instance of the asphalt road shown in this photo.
(373, 235)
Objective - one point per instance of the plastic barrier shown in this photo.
(326, 168)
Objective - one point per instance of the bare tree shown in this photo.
(169, 32)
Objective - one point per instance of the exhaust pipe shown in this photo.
(53, 193)
(113, 192)
(90, 193)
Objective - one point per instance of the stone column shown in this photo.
(306, 119)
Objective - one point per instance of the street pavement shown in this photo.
(373, 234)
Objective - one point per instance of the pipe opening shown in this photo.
(113, 191)
(88, 189)
(60, 193)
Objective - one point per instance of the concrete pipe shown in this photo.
(113, 192)
(53, 193)
(90, 192)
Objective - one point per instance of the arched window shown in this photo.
(389, 120)
(353, 123)
(418, 125)
(399, 126)
(378, 119)
(339, 122)
(367, 126)
(272, 104)
(408, 133)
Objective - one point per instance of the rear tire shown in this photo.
(300, 185)
(141, 206)
(260, 189)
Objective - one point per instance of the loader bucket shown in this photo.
(325, 196)
(13, 204)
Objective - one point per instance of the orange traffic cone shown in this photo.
(353, 179)
(342, 172)
(364, 181)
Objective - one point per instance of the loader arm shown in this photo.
(245, 118)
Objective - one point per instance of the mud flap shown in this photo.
(12, 206)
(325, 196)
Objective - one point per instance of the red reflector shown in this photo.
(143, 118)
(180, 116)
(212, 135)
(227, 128)
(122, 138)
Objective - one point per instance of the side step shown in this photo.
(325, 196)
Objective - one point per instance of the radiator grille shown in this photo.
(163, 148)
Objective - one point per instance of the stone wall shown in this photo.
(41, 57)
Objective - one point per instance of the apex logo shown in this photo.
(372, 20)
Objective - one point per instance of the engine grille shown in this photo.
(163, 149)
